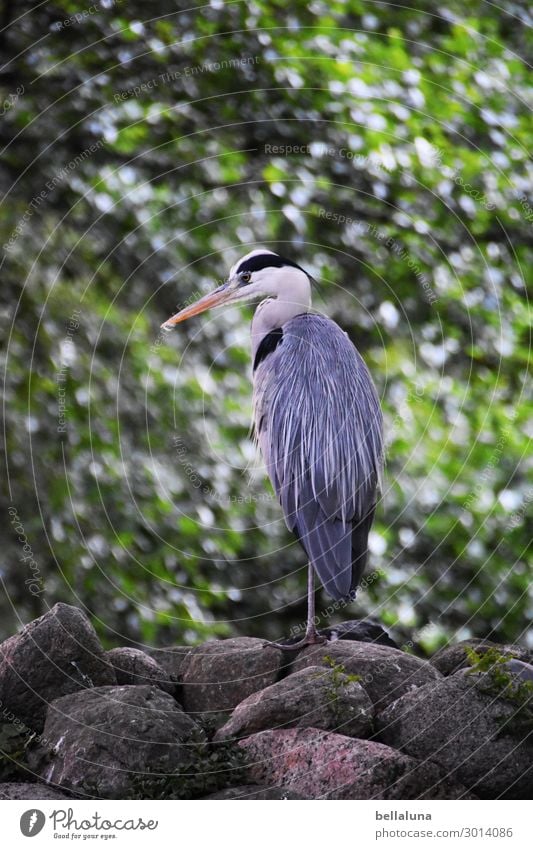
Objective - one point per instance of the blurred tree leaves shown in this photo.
(385, 149)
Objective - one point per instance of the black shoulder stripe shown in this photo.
(268, 344)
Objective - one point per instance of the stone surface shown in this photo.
(254, 791)
(294, 723)
(452, 658)
(323, 765)
(170, 658)
(314, 697)
(58, 653)
(361, 630)
(108, 739)
(466, 724)
(132, 666)
(519, 669)
(219, 674)
(24, 790)
(386, 673)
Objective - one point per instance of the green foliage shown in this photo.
(14, 743)
(340, 677)
(384, 148)
(488, 660)
(214, 767)
(493, 662)
(501, 683)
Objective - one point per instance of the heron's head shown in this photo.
(259, 274)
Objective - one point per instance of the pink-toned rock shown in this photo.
(323, 765)
(384, 672)
(252, 791)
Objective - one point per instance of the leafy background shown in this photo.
(385, 149)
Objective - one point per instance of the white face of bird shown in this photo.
(259, 274)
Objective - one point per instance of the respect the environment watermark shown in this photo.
(429, 156)
(62, 373)
(487, 472)
(38, 200)
(84, 14)
(394, 245)
(190, 71)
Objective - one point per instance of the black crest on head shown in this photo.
(260, 261)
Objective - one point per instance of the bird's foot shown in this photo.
(311, 639)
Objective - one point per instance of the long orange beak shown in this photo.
(215, 299)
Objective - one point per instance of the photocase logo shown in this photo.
(32, 822)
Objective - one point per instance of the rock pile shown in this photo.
(354, 718)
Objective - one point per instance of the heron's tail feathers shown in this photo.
(360, 532)
(337, 551)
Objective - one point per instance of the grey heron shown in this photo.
(316, 417)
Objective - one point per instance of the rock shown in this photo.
(465, 723)
(132, 666)
(58, 653)
(450, 659)
(24, 790)
(107, 740)
(314, 697)
(323, 765)
(254, 791)
(219, 674)
(170, 658)
(519, 669)
(385, 673)
(361, 630)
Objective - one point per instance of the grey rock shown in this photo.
(170, 658)
(132, 666)
(361, 630)
(385, 673)
(219, 674)
(519, 670)
(450, 659)
(25, 790)
(472, 728)
(323, 765)
(58, 653)
(107, 740)
(314, 698)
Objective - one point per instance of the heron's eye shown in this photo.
(245, 276)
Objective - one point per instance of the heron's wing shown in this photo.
(319, 426)
(337, 549)
(327, 542)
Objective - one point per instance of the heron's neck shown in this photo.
(275, 312)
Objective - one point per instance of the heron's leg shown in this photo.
(311, 637)
(310, 631)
